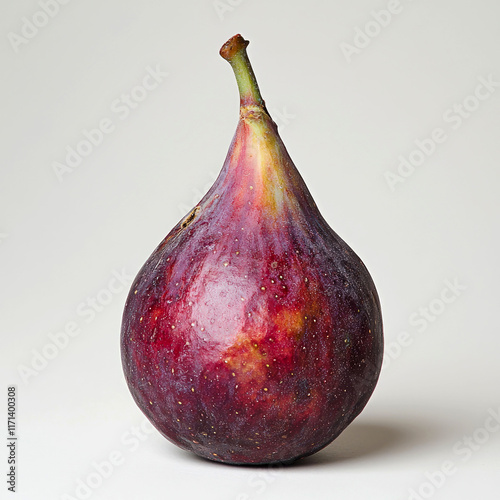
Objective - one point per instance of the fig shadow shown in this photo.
(371, 439)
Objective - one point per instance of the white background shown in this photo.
(346, 116)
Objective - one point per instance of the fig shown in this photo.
(253, 333)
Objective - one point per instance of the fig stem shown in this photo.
(234, 51)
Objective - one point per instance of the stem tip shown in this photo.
(233, 46)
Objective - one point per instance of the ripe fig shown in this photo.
(253, 333)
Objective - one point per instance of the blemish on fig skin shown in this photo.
(190, 217)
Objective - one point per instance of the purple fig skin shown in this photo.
(253, 333)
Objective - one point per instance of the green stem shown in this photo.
(234, 51)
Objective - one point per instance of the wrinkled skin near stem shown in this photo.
(253, 333)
